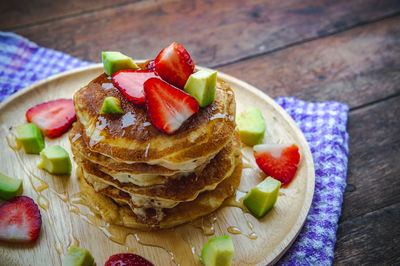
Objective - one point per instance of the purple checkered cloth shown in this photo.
(22, 63)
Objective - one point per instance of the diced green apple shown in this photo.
(78, 257)
(263, 197)
(111, 105)
(218, 251)
(31, 138)
(201, 85)
(55, 160)
(10, 187)
(251, 126)
(115, 61)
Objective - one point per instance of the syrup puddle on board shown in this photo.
(237, 201)
(206, 224)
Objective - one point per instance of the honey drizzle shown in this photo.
(237, 201)
(206, 224)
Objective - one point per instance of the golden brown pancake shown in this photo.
(131, 138)
(140, 174)
(181, 189)
(121, 214)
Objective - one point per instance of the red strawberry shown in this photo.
(278, 160)
(54, 118)
(130, 83)
(127, 259)
(20, 220)
(167, 106)
(174, 65)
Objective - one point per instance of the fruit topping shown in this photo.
(10, 187)
(31, 138)
(218, 251)
(168, 107)
(251, 126)
(114, 61)
(20, 220)
(54, 118)
(55, 160)
(201, 85)
(278, 160)
(127, 259)
(130, 83)
(174, 65)
(262, 197)
(78, 257)
(111, 105)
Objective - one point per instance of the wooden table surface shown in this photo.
(347, 51)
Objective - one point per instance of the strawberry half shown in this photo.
(174, 65)
(278, 160)
(130, 83)
(20, 220)
(127, 259)
(167, 106)
(54, 118)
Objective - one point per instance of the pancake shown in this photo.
(117, 212)
(174, 190)
(131, 138)
(140, 174)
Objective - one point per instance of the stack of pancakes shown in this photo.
(139, 177)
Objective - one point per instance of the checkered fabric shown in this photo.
(324, 126)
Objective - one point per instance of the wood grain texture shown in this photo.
(371, 239)
(356, 67)
(373, 176)
(275, 231)
(22, 13)
(214, 32)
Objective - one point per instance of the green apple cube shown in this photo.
(31, 138)
(78, 257)
(263, 197)
(115, 61)
(251, 126)
(111, 105)
(55, 160)
(10, 187)
(218, 251)
(201, 85)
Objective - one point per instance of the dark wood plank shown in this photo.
(373, 239)
(14, 14)
(356, 67)
(373, 176)
(214, 32)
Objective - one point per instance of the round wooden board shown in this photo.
(275, 232)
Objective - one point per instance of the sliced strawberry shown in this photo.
(130, 83)
(54, 118)
(127, 259)
(278, 160)
(20, 220)
(174, 65)
(167, 106)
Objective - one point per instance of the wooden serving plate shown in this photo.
(66, 220)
